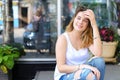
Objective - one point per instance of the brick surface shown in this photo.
(3, 76)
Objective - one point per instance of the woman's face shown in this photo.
(80, 22)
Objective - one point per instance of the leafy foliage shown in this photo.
(8, 53)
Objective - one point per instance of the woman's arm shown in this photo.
(61, 46)
(96, 47)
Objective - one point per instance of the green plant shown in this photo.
(19, 46)
(8, 53)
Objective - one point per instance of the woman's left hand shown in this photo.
(96, 72)
(94, 69)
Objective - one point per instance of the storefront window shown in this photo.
(100, 7)
(45, 38)
(24, 11)
(43, 35)
(49, 14)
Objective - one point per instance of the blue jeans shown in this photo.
(95, 62)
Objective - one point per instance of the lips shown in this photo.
(79, 26)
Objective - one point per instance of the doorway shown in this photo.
(24, 16)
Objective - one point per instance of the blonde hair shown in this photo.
(87, 37)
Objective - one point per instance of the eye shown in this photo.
(85, 20)
(78, 17)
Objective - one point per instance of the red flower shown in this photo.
(107, 34)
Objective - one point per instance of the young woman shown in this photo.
(74, 46)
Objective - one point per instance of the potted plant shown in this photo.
(8, 54)
(118, 52)
(110, 39)
(118, 30)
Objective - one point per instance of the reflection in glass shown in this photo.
(44, 37)
(24, 33)
(99, 7)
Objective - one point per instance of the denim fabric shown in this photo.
(95, 62)
(85, 73)
(99, 63)
(68, 77)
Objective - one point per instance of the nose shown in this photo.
(80, 21)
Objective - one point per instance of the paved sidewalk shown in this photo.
(112, 73)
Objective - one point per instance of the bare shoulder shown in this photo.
(61, 44)
(61, 39)
(62, 36)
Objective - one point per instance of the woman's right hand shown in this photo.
(94, 69)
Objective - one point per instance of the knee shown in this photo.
(99, 61)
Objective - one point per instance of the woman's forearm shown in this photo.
(97, 41)
(68, 68)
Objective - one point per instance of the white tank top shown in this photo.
(73, 56)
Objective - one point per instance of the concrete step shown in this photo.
(112, 73)
(44, 75)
